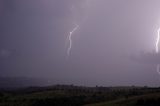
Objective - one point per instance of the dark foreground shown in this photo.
(69, 95)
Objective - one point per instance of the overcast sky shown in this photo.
(33, 42)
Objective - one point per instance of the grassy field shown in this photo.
(152, 99)
(69, 95)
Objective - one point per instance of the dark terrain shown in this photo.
(70, 95)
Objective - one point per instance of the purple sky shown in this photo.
(33, 37)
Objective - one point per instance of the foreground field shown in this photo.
(69, 95)
(152, 99)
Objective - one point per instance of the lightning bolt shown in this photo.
(70, 38)
(77, 25)
(157, 40)
(157, 48)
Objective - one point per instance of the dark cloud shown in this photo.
(4, 53)
(148, 58)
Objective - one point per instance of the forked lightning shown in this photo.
(70, 39)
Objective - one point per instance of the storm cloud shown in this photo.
(33, 36)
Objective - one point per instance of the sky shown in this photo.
(34, 40)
